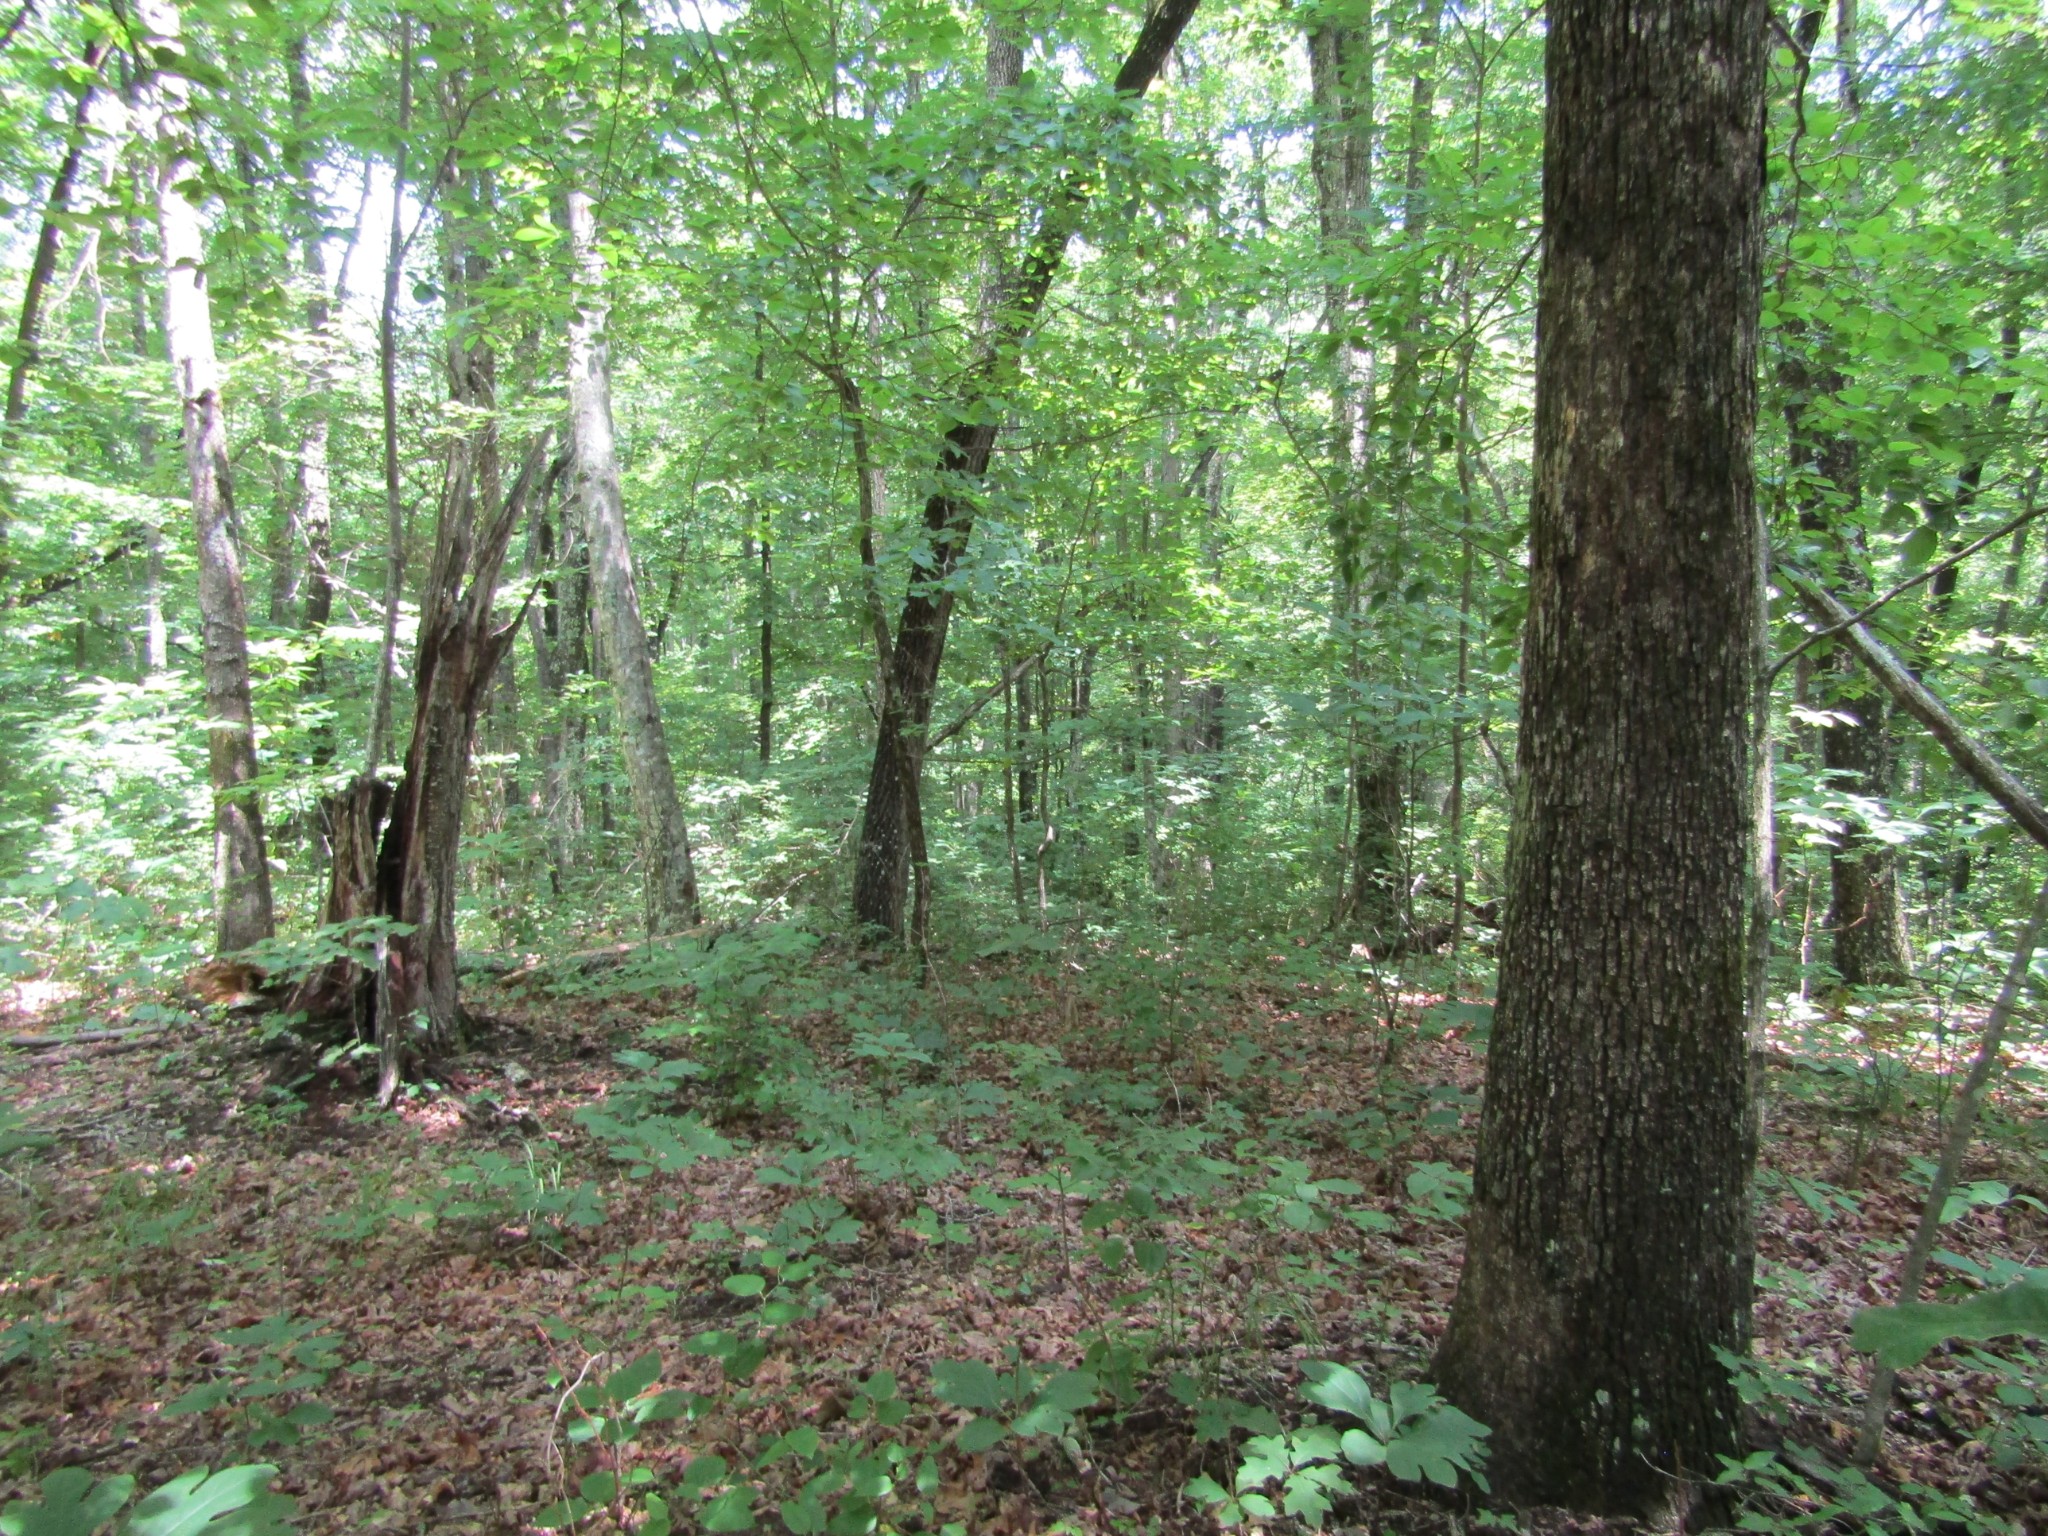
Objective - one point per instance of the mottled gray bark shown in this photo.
(671, 878)
(241, 869)
(1609, 1253)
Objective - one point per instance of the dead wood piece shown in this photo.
(82, 1037)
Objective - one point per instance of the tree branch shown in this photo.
(983, 699)
(2002, 531)
(1968, 754)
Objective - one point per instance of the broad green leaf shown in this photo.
(230, 1502)
(732, 1510)
(967, 1384)
(72, 1505)
(1907, 1333)
(980, 1434)
(1337, 1387)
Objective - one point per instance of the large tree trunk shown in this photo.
(241, 869)
(888, 837)
(1609, 1253)
(671, 878)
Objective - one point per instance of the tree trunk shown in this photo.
(765, 726)
(558, 654)
(313, 510)
(156, 645)
(459, 650)
(352, 823)
(43, 266)
(882, 868)
(241, 868)
(1609, 1251)
(1865, 915)
(387, 381)
(1341, 83)
(671, 879)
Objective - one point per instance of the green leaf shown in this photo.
(230, 1502)
(746, 1285)
(1438, 1446)
(672, 1404)
(1361, 1450)
(704, 1473)
(967, 1384)
(980, 1434)
(732, 1510)
(72, 1505)
(201, 1399)
(1905, 1334)
(1339, 1388)
(630, 1380)
(1069, 1390)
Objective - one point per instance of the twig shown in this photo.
(1906, 586)
(1953, 1150)
(1968, 754)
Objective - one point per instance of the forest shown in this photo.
(956, 766)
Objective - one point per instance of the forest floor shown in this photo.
(1190, 1210)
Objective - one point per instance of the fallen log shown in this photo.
(583, 962)
(81, 1037)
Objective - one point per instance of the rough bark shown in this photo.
(1609, 1246)
(241, 869)
(671, 879)
(352, 825)
(887, 836)
(418, 1013)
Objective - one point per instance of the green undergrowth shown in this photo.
(755, 1234)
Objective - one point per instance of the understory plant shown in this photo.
(1300, 1473)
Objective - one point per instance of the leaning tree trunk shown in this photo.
(460, 646)
(241, 869)
(671, 878)
(43, 265)
(891, 827)
(1609, 1253)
